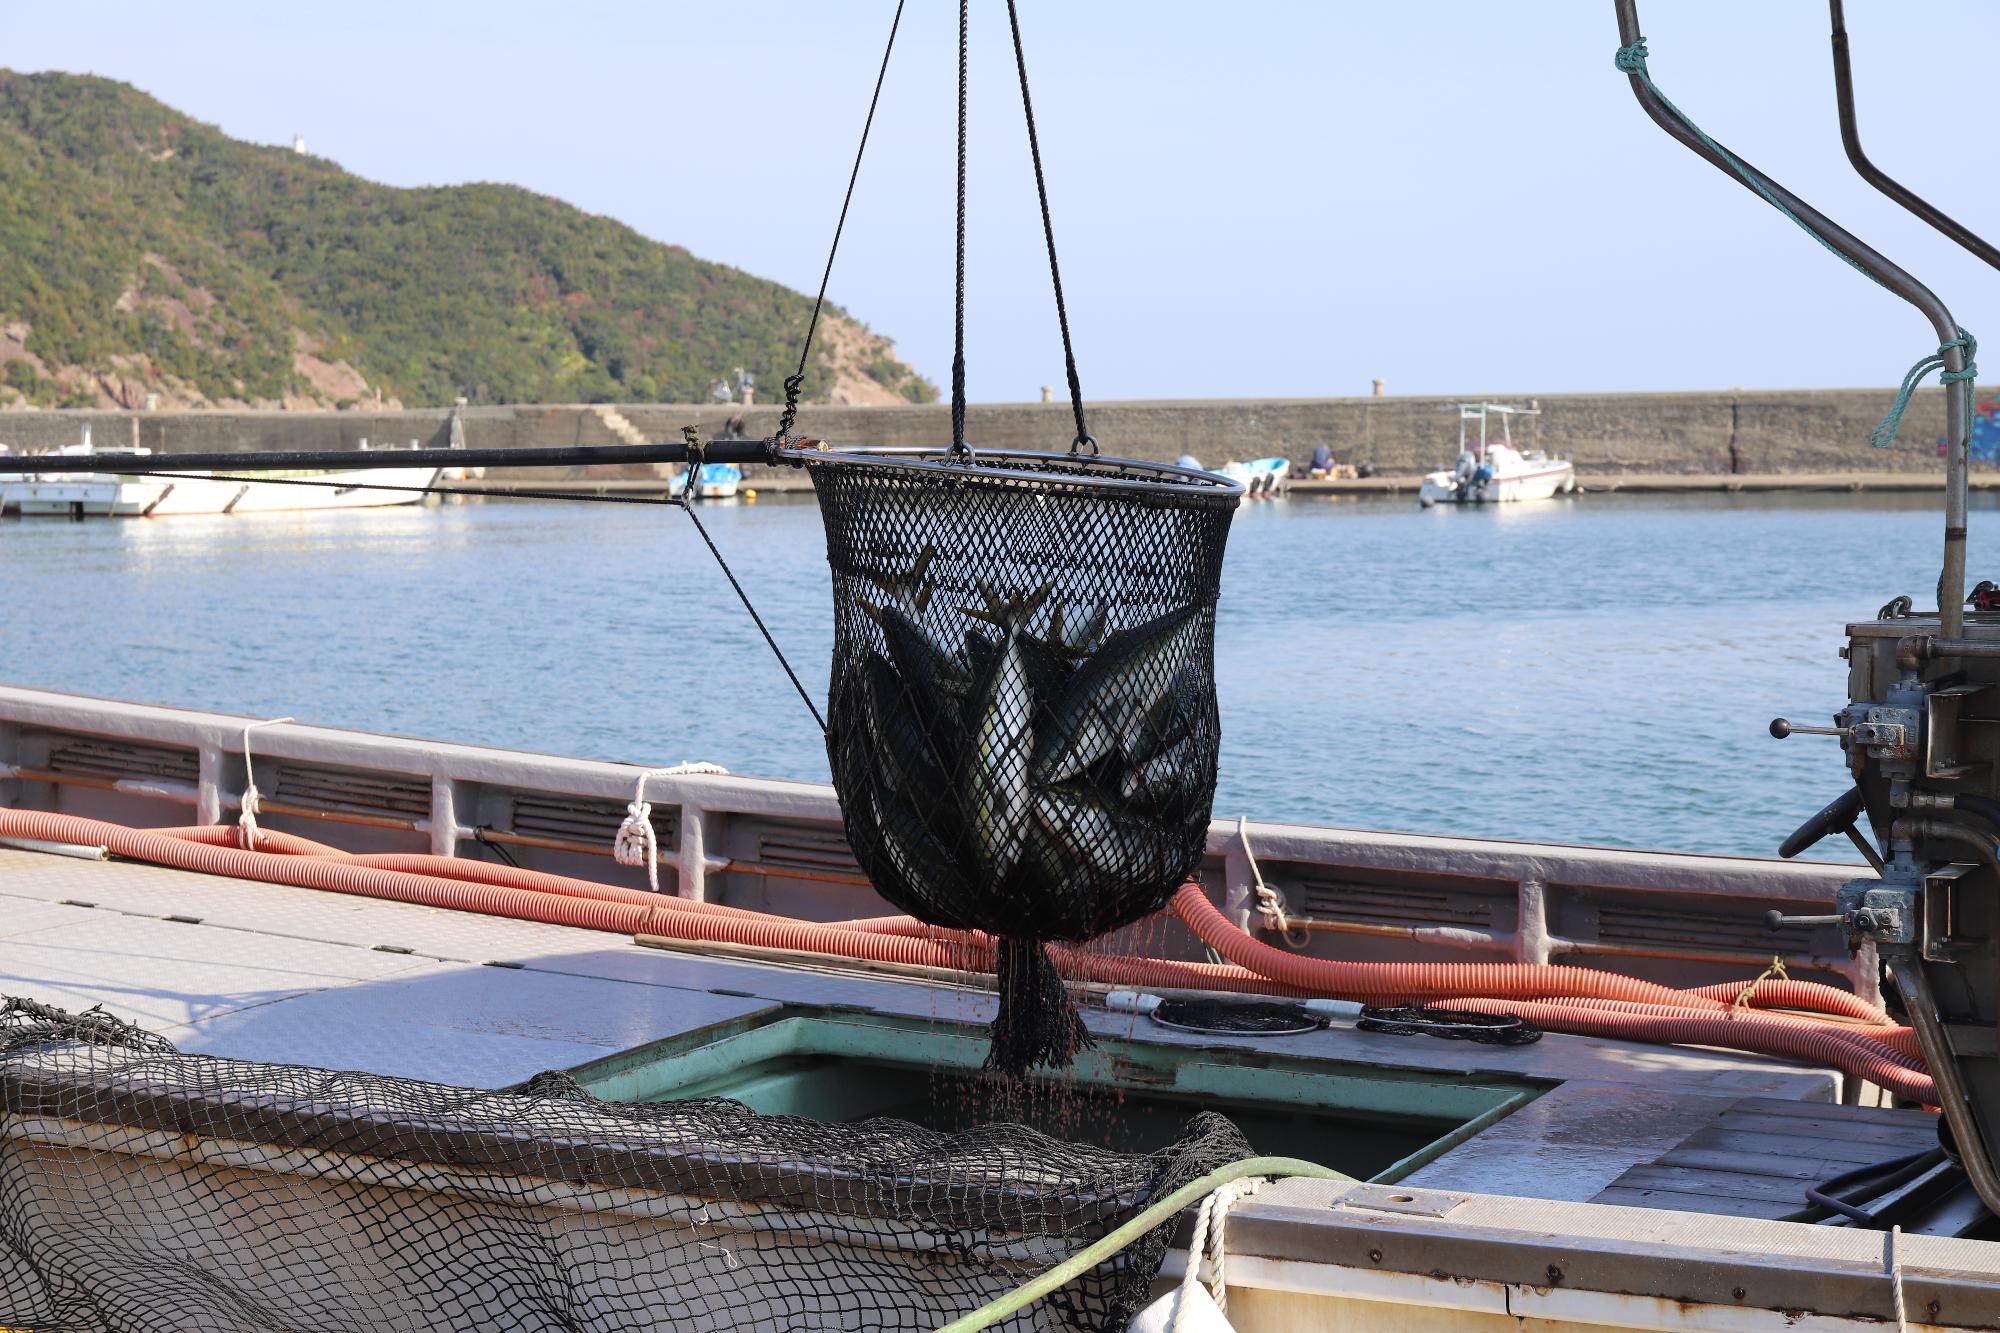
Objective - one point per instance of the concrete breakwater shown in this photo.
(1739, 433)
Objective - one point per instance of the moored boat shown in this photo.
(717, 481)
(1496, 471)
(112, 494)
(1262, 478)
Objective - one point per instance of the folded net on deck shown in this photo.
(145, 1190)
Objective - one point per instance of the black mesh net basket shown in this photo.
(1022, 723)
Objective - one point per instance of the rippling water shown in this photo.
(1599, 670)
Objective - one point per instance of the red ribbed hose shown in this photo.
(1818, 1046)
(1599, 1003)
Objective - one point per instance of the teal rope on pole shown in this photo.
(1632, 60)
(1885, 434)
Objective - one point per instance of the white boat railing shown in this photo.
(779, 846)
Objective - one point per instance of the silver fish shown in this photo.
(1088, 836)
(1076, 639)
(930, 671)
(1115, 698)
(907, 591)
(999, 739)
(916, 857)
(904, 755)
(1157, 783)
(1002, 611)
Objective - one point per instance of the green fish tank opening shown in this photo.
(1126, 1093)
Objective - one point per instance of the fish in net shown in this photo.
(142, 1189)
(1022, 725)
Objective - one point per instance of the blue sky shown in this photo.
(1251, 199)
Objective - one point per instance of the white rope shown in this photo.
(1896, 1279)
(1208, 1223)
(1270, 902)
(246, 814)
(636, 843)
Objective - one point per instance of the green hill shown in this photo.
(144, 252)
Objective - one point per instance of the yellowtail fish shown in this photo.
(1116, 696)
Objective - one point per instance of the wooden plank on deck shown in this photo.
(1757, 1157)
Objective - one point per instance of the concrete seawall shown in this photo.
(1704, 434)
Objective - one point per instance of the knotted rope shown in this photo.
(1885, 434)
(637, 843)
(1270, 902)
(253, 801)
(1775, 972)
(1632, 60)
(1208, 1224)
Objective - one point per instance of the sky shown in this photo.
(1251, 199)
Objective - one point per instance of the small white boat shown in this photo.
(1261, 477)
(69, 494)
(110, 494)
(718, 481)
(1491, 471)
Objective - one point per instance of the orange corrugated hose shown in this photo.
(1573, 1000)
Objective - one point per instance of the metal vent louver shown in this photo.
(587, 820)
(801, 847)
(1391, 904)
(112, 760)
(398, 797)
(1742, 932)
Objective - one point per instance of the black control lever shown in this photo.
(1839, 816)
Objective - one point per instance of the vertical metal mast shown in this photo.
(1958, 395)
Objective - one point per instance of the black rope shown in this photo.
(696, 450)
(958, 328)
(687, 492)
(498, 849)
(1083, 435)
(794, 382)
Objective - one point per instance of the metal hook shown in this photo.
(1850, 139)
(1958, 395)
(1076, 446)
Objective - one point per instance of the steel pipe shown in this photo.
(1850, 139)
(1958, 395)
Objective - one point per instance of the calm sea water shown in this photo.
(1599, 670)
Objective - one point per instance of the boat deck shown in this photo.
(1512, 1223)
(265, 972)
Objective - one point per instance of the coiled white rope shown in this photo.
(246, 815)
(1208, 1224)
(1270, 902)
(636, 843)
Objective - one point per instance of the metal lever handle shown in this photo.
(1841, 815)
(1780, 728)
(1776, 919)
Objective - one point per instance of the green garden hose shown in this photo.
(1088, 1258)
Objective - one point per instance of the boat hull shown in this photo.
(104, 496)
(1543, 483)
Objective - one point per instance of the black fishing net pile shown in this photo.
(1022, 724)
(144, 1190)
